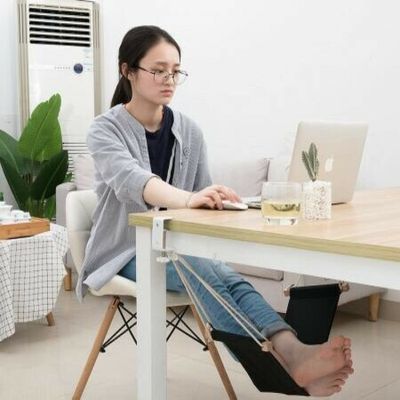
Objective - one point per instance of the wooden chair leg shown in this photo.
(101, 334)
(68, 280)
(215, 356)
(50, 319)
(373, 306)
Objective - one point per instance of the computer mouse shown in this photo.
(230, 205)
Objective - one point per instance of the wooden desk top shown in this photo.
(369, 226)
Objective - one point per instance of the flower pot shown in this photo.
(317, 200)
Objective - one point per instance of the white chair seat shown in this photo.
(120, 286)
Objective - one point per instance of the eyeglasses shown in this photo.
(163, 76)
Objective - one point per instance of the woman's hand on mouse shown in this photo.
(211, 197)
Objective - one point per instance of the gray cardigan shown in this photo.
(117, 142)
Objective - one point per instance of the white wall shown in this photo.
(8, 78)
(257, 68)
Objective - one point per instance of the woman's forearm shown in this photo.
(161, 194)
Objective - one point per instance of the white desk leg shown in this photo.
(151, 316)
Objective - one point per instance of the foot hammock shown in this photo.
(310, 312)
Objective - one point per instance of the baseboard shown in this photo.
(388, 310)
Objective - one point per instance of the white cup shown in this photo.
(17, 215)
(5, 210)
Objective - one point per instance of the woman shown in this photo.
(147, 155)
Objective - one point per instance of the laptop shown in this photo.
(340, 147)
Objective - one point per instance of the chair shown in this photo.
(79, 208)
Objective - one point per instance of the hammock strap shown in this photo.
(203, 314)
(240, 319)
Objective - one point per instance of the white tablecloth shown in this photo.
(31, 272)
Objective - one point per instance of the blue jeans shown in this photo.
(239, 293)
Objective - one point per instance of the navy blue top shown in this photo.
(159, 144)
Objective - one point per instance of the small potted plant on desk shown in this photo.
(317, 195)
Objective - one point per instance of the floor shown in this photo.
(44, 363)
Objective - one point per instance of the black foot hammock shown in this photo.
(310, 312)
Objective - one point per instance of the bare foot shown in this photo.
(314, 362)
(330, 384)
(306, 364)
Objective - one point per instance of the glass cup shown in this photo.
(280, 202)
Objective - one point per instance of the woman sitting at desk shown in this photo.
(148, 155)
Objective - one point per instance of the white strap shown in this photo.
(192, 294)
(240, 319)
(171, 163)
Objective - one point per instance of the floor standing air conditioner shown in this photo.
(59, 53)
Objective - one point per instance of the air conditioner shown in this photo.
(59, 53)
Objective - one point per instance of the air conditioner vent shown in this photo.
(47, 9)
(59, 26)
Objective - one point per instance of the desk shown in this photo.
(361, 244)
(31, 272)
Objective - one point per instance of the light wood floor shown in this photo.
(44, 363)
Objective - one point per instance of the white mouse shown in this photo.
(230, 205)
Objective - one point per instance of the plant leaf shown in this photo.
(9, 151)
(49, 210)
(19, 188)
(41, 137)
(51, 174)
(316, 168)
(307, 163)
(313, 155)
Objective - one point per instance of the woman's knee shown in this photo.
(199, 264)
(207, 266)
(226, 272)
(205, 269)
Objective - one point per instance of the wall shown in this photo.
(257, 68)
(8, 78)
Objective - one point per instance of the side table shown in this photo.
(31, 273)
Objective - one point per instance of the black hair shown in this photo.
(134, 46)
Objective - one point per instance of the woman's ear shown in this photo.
(125, 70)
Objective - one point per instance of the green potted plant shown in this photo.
(36, 163)
(317, 195)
